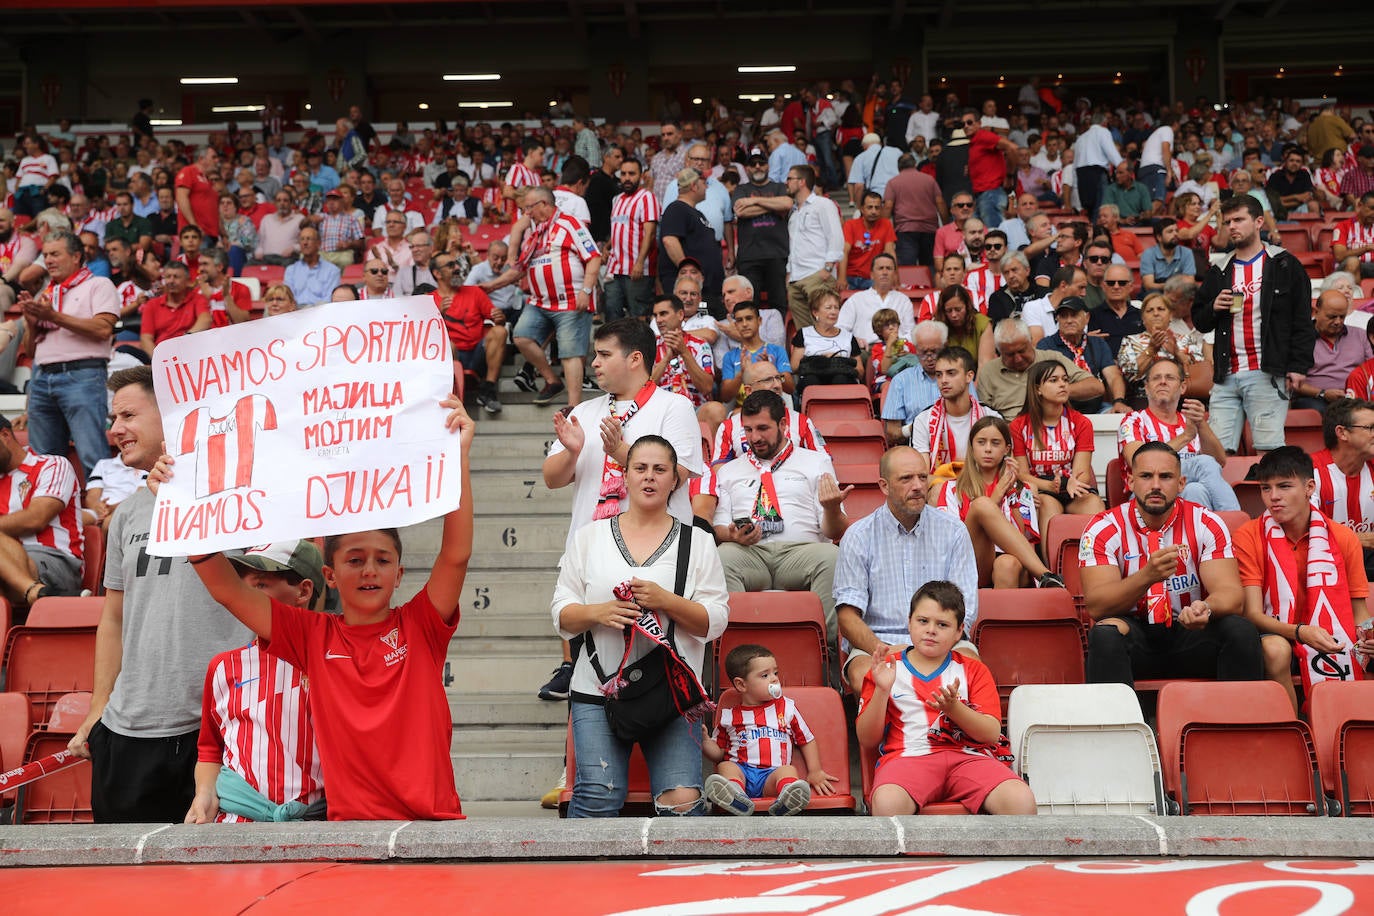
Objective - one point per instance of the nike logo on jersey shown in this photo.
(329, 655)
(238, 685)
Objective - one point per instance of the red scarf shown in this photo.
(1079, 359)
(612, 474)
(59, 291)
(1328, 598)
(767, 510)
(1158, 605)
(943, 448)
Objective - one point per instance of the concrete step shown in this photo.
(525, 412)
(535, 560)
(517, 710)
(502, 492)
(533, 445)
(501, 533)
(477, 738)
(502, 666)
(519, 625)
(507, 773)
(497, 593)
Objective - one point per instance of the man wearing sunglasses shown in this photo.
(987, 167)
(1117, 318)
(949, 238)
(476, 328)
(1095, 262)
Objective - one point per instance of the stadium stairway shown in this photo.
(507, 743)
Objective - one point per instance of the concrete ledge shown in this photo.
(515, 839)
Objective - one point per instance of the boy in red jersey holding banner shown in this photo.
(935, 718)
(752, 746)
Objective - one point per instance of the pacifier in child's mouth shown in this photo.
(775, 690)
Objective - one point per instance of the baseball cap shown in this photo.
(333, 193)
(692, 261)
(756, 158)
(1366, 151)
(300, 557)
(1072, 304)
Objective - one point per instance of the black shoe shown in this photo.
(486, 398)
(560, 685)
(524, 379)
(548, 393)
(589, 384)
(1050, 580)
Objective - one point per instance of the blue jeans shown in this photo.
(629, 297)
(990, 205)
(824, 141)
(603, 765)
(237, 258)
(1254, 395)
(1206, 486)
(859, 283)
(1152, 177)
(71, 406)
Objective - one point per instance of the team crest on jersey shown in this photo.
(24, 487)
(392, 638)
(1183, 552)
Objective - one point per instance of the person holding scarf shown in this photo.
(1304, 580)
(67, 330)
(1162, 586)
(594, 438)
(778, 510)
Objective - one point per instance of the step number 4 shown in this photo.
(483, 599)
(508, 537)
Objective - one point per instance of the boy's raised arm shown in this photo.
(445, 585)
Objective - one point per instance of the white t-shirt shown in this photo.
(923, 124)
(737, 486)
(1152, 151)
(960, 427)
(1040, 312)
(856, 315)
(664, 414)
(568, 202)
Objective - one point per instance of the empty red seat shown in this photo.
(1116, 483)
(823, 712)
(1342, 717)
(1029, 636)
(266, 274)
(15, 726)
(837, 402)
(790, 624)
(43, 663)
(66, 611)
(1236, 748)
(863, 500)
(1295, 238)
(63, 797)
(1247, 492)
(849, 428)
(1061, 537)
(912, 275)
(1233, 518)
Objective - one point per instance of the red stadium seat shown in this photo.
(863, 500)
(868, 760)
(1116, 483)
(1321, 237)
(1367, 287)
(66, 612)
(823, 711)
(1236, 748)
(1342, 716)
(913, 275)
(1233, 518)
(639, 800)
(265, 274)
(857, 475)
(849, 428)
(1247, 492)
(790, 624)
(1029, 636)
(1061, 537)
(837, 402)
(1317, 263)
(61, 798)
(45, 663)
(69, 712)
(1295, 238)
(93, 559)
(15, 726)
(860, 451)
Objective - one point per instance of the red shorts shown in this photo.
(944, 776)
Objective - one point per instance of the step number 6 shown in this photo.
(508, 537)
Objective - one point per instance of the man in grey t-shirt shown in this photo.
(158, 631)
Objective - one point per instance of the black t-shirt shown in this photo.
(163, 225)
(689, 226)
(369, 205)
(1044, 264)
(951, 171)
(601, 190)
(1281, 184)
(761, 238)
(142, 124)
(445, 180)
(366, 133)
(1003, 303)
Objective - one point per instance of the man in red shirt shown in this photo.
(197, 199)
(181, 309)
(987, 168)
(864, 237)
(476, 328)
(229, 301)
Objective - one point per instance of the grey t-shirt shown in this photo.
(172, 628)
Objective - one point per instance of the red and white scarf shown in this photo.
(1328, 598)
(767, 512)
(59, 291)
(612, 474)
(1159, 606)
(943, 447)
(1079, 359)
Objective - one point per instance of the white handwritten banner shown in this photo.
(317, 422)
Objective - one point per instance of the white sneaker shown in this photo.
(727, 794)
(791, 800)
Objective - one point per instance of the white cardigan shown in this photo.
(595, 563)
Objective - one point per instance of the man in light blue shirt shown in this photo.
(716, 206)
(873, 168)
(1015, 226)
(782, 156)
(322, 176)
(312, 279)
(887, 555)
(915, 389)
(1166, 259)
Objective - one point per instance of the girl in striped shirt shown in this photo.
(1053, 444)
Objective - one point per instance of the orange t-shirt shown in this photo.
(1248, 544)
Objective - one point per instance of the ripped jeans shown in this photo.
(603, 766)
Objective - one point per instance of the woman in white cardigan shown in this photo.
(638, 548)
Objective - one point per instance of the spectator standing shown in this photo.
(602, 188)
(762, 207)
(633, 220)
(987, 167)
(667, 163)
(913, 201)
(865, 236)
(817, 243)
(1095, 156)
(197, 201)
(685, 233)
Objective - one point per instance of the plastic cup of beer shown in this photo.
(1237, 302)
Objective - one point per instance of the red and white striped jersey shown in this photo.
(54, 477)
(1330, 179)
(981, 282)
(555, 256)
(255, 721)
(1144, 426)
(731, 442)
(219, 312)
(629, 213)
(520, 176)
(1344, 498)
(909, 717)
(762, 736)
(19, 246)
(224, 447)
(1061, 442)
(1360, 382)
(1352, 235)
(675, 377)
(1247, 278)
(128, 292)
(926, 310)
(1118, 538)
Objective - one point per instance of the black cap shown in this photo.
(1366, 151)
(1072, 304)
(756, 159)
(689, 260)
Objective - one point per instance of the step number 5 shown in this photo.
(483, 599)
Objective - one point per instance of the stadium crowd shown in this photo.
(690, 294)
